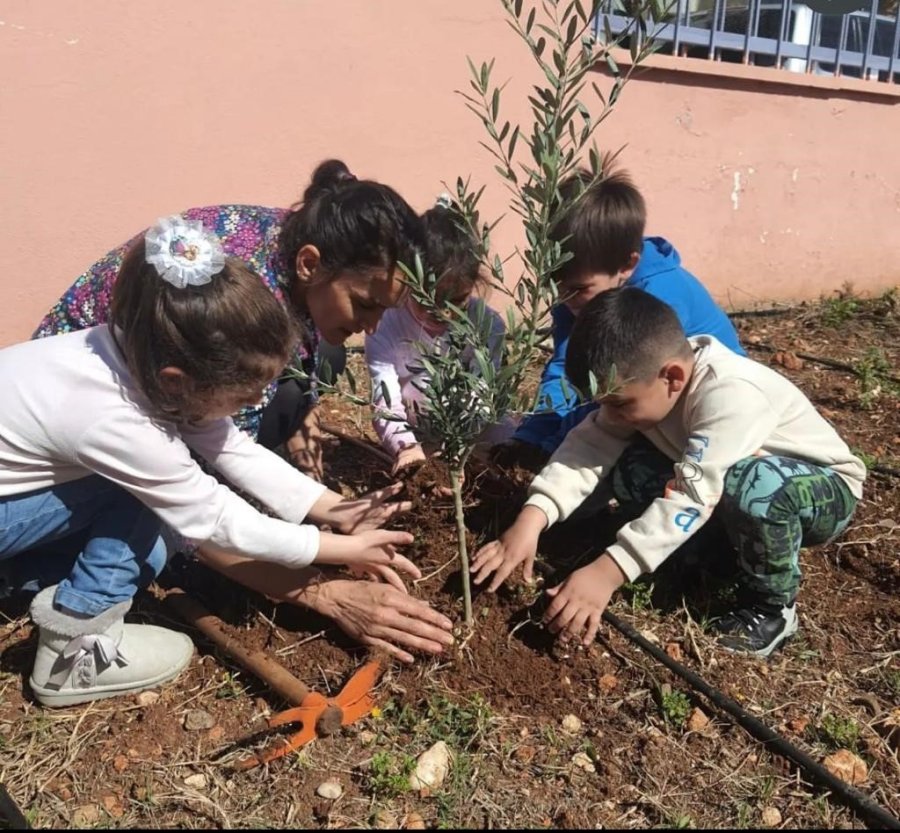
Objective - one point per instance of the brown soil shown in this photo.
(500, 697)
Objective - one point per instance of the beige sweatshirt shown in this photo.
(732, 408)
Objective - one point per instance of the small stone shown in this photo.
(431, 767)
(216, 733)
(571, 724)
(330, 790)
(366, 737)
(196, 781)
(608, 683)
(86, 815)
(847, 766)
(197, 719)
(414, 821)
(146, 698)
(583, 761)
(770, 816)
(698, 721)
(120, 763)
(113, 805)
(673, 649)
(798, 724)
(385, 820)
(525, 754)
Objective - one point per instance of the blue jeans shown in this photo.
(99, 543)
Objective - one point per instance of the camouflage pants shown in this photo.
(770, 508)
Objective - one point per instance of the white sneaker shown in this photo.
(82, 659)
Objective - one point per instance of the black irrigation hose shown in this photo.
(10, 812)
(858, 801)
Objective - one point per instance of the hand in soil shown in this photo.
(367, 549)
(370, 511)
(379, 572)
(383, 617)
(411, 456)
(518, 545)
(579, 602)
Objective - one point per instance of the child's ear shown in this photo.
(173, 381)
(625, 273)
(676, 375)
(308, 260)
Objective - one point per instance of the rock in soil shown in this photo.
(583, 761)
(146, 698)
(330, 790)
(431, 767)
(771, 817)
(197, 719)
(571, 724)
(847, 766)
(196, 781)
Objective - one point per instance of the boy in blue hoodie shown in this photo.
(605, 232)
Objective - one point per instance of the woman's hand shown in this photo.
(381, 616)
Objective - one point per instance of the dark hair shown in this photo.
(625, 328)
(356, 224)
(604, 226)
(223, 334)
(450, 252)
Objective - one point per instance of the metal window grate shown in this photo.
(775, 33)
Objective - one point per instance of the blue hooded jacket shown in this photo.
(658, 272)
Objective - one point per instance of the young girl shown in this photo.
(331, 260)
(97, 430)
(394, 349)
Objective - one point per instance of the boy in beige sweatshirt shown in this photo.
(687, 427)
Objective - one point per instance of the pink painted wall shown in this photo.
(115, 113)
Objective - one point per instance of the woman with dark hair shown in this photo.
(332, 260)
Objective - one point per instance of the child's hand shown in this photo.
(369, 511)
(372, 548)
(518, 545)
(412, 455)
(579, 602)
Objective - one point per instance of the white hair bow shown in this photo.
(183, 252)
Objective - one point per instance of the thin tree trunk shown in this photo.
(456, 477)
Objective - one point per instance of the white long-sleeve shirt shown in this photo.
(390, 353)
(732, 408)
(70, 408)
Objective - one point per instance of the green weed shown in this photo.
(839, 732)
(639, 594)
(675, 707)
(231, 687)
(840, 309)
(388, 775)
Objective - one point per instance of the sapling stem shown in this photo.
(456, 476)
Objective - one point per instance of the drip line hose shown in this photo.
(10, 812)
(863, 805)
